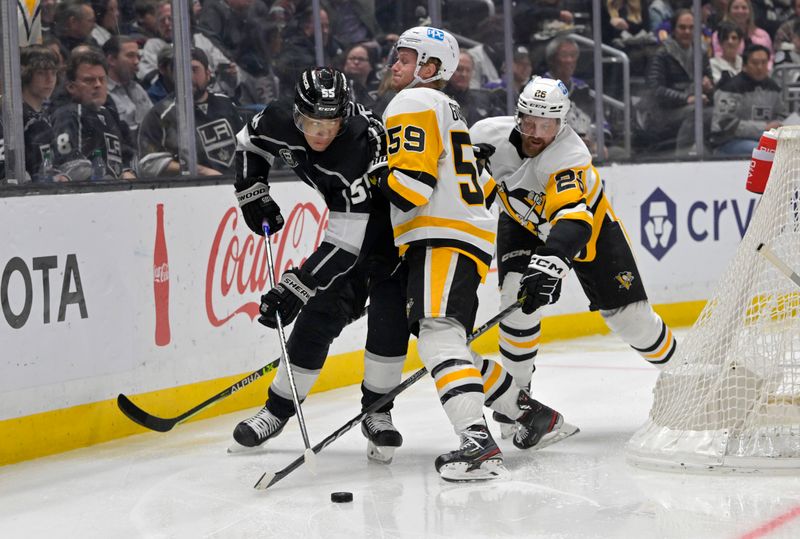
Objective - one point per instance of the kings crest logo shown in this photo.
(288, 158)
(659, 232)
(218, 141)
(625, 279)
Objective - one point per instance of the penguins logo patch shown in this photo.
(287, 157)
(625, 279)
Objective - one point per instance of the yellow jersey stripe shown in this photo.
(440, 268)
(429, 221)
(406, 192)
(520, 344)
(661, 351)
(469, 372)
(487, 385)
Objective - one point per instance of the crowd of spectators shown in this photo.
(98, 75)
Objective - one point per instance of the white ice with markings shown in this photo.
(183, 484)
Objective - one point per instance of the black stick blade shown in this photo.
(140, 417)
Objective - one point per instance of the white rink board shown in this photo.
(109, 238)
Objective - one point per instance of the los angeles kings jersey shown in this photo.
(538, 192)
(438, 198)
(216, 123)
(79, 130)
(338, 174)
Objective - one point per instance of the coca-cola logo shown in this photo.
(237, 263)
(161, 273)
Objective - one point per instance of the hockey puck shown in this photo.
(341, 497)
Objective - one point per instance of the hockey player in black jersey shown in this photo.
(86, 126)
(216, 125)
(330, 151)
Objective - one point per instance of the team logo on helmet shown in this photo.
(288, 158)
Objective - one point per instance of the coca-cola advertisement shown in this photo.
(161, 281)
(238, 272)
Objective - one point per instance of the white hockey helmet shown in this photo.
(545, 98)
(429, 43)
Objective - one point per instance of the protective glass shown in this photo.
(538, 127)
(318, 127)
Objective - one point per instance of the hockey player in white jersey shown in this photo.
(554, 218)
(443, 226)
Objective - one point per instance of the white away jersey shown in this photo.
(437, 196)
(559, 183)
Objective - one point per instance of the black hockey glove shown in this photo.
(377, 147)
(483, 151)
(541, 282)
(257, 205)
(293, 291)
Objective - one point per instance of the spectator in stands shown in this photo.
(669, 109)
(359, 70)
(562, 55)
(784, 36)
(130, 99)
(260, 83)
(73, 23)
(729, 63)
(145, 25)
(38, 68)
(107, 20)
(660, 12)
(355, 23)
(624, 21)
(789, 57)
(164, 82)
(48, 16)
(226, 22)
(216, 120)
(521, 71)
(476, 104)
(740, 12)
(299, 50)
(533, 16)
(227, 72)
(746, 105)
(766, 14)
(88, 134)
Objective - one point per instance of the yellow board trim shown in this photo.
(56, 431)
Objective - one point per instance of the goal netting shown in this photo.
(730, 399)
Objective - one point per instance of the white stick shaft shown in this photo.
(768, 253)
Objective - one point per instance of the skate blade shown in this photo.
(459, 472)
(239, 449)
(382, 454)
(562, 433)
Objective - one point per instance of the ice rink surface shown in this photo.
(183, 484)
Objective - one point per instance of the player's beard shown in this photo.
(199, 92)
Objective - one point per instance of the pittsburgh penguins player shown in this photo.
(329, 150)
(554, 218)
(443, 226)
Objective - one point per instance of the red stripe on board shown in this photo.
(776, 522)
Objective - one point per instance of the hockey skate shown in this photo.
(382, 437)
(508, 427)
(478, 458)
(539, 425)
(254, 431)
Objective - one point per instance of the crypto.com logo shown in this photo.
(659, 233)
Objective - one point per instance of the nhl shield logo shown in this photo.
(288, 158)
(625, 279)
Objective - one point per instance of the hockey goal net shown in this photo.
(730, 399)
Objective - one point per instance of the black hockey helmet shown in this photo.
(322, 93)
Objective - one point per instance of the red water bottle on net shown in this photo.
(761, 162)
(161, 281)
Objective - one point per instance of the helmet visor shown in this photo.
(537, 127)
(318, 127)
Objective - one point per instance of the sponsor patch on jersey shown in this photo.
(625, 279)
(218, 141)
(288, 158)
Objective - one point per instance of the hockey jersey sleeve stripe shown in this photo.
(414, 191)
(245, 143)
(430, 221)
(347, 230)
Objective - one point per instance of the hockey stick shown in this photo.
(163, 424)
(268, 479)
(770, 255)
(309, 454)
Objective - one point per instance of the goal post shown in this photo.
(730, 398)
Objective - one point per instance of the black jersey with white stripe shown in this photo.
(338, 174)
